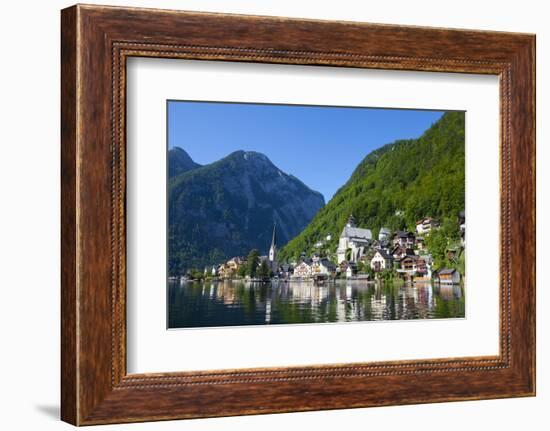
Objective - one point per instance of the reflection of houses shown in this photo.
(449, 276)
(354, 241)
(404, 239)
(426, 225)
(381, 260)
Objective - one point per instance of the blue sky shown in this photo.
(319, 145)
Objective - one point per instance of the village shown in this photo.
(399, 255)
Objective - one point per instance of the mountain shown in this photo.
(228, 207)
(179, 162)
(396, 185)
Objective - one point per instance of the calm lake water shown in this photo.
(231, 303)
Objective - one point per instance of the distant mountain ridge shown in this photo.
(396, 185)
(179, 162)
(228, 207)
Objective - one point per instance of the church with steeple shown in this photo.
(272, 257)
(353, 242)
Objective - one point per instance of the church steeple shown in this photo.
(273, 248)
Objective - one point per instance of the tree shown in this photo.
(241, 272)
(263, 271)
(195, 274)
(362, 267)
(439, 240)
(386, 274)
(253, 261)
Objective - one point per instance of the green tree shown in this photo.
(263, 270)
(253, 261)
(363, 267)
(438, 241)
(241, 272)
(195, 274)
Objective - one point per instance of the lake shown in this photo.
(237, 302)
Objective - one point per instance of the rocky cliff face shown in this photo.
(227, 208)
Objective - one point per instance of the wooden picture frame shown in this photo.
(95, 43)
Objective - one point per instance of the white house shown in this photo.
(426, 225)
(323, 267)
(355, 239)
(409, 263)
(384, 234)
(381, 260)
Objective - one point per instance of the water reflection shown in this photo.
(235, 302)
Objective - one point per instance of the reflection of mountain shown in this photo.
(226, 208)
(396, 185)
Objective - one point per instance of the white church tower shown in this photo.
(273, 250)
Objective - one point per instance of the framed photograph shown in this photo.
(265, 215)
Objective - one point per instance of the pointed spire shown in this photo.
(351, 221)
(274, 237)
(273, 249)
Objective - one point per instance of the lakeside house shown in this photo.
(409, 263)
(448, 276)
(303, 269)
(323, 267)
(381, 260)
